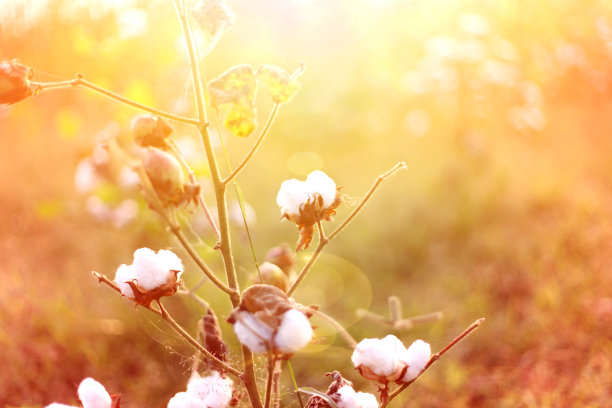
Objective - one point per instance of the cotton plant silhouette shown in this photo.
(266, 319)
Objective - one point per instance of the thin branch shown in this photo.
(262, 136)
(432, 360)
(278, 370)
(271, 363)
(224, 245)
(80, 81)
(166, 316)
(174, 227)
(400, 324)
(334, 323)
(198, 260)
(399, 166)
(323, 242)
(193, 180)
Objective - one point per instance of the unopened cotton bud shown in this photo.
(185, 400)
(165, 173)
(271, 275)
(351, 399)
(93, 394)
(15, 82)
(379, 359)
(416, 358)
(213, 390)
(282, 256)
(150, 130)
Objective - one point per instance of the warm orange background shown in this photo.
(501, 110)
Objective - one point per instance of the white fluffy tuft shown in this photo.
(213, 390)
(294, 193)
(93, 394)
(416, 358)
(149, 269)
(294, 332)
(381, 356)
(185, 400)
(351, 399)
(252, 332)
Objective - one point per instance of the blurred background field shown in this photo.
(501, 109)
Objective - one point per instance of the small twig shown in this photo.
(399, 166)
(193, 180)
(271, 363)
(262, 136)
(278, 370)
(166, 316)
(341, 330)
(80, 81)
(198, 260)
(432, 360)
(401, 324)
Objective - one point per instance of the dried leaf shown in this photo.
(237, 85)
(240, 120)
(213, 16)
(213, 340)
(318, 399)
(279, 84)
(265, 302)
(144, 297)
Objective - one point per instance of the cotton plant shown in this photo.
(268, 322)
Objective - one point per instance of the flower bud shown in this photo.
(15, 82)
(282, 256)
(150, 130)
(165, 173)
(271, 275)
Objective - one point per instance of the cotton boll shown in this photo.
(292, 194)
(125, 273)
(93, 394)
(253, 333)
(185, 400)
(149, 270)
(58, 405)
(213, 390)
(379, 359)
(351, 399)
(152, 270)
(416, 358)
(319, 183)
(294, 332)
